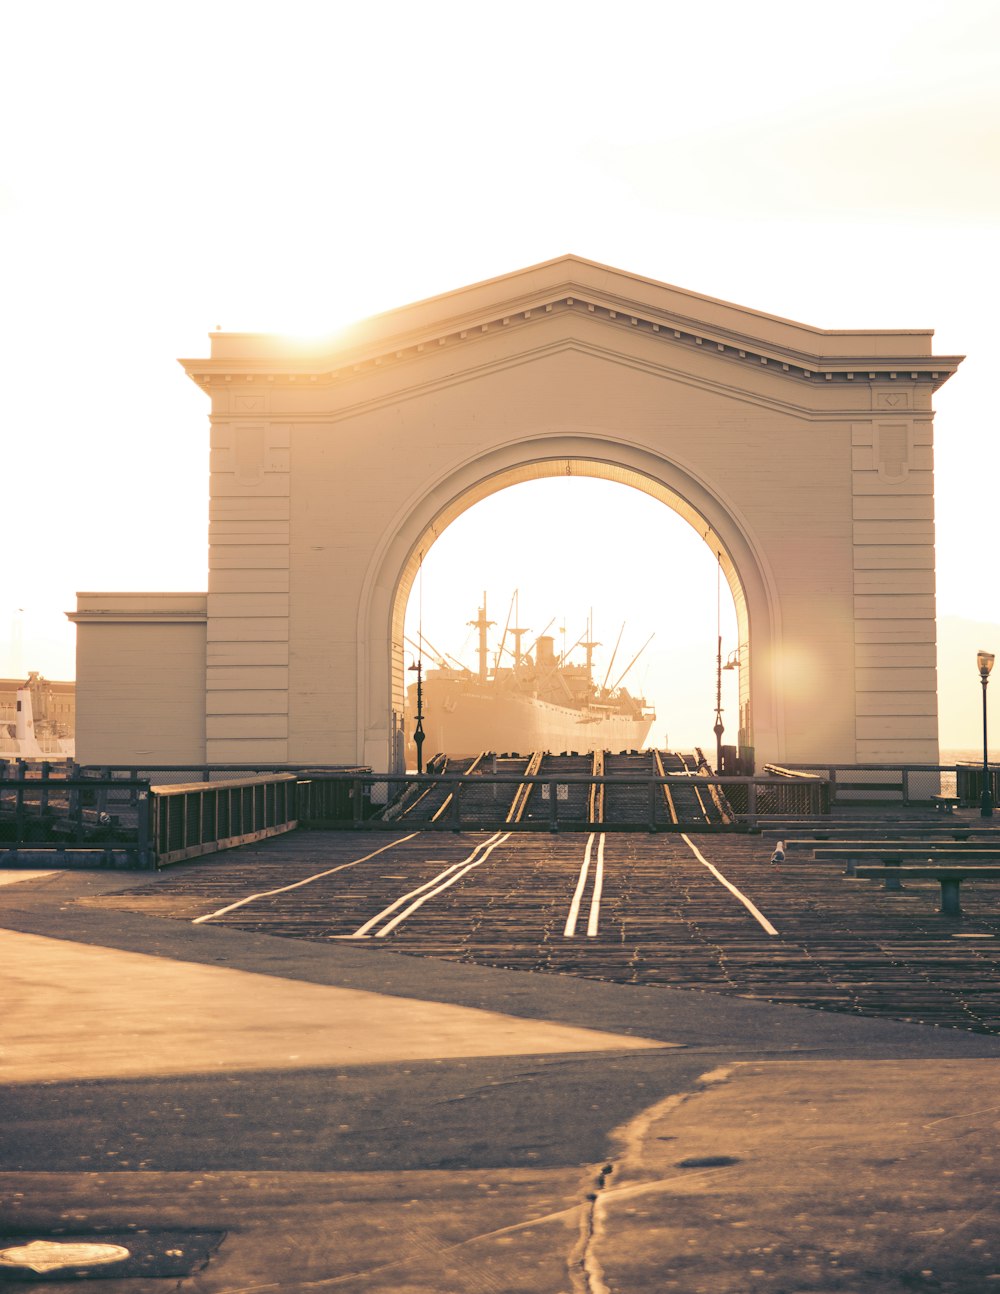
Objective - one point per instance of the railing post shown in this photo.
(43, 804)
(144, 842)
(553, 808)
(906, 786)
(303, 801)
(102, 794)
(751, 803)
(456, 807)
(356, 798)
(19, 801)
(651, 803)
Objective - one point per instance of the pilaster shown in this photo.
(248, 587)
(894, 589)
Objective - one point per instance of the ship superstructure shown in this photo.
(534, 699)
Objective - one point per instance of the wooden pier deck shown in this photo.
(710, 913)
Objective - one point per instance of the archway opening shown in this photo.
(590, 547)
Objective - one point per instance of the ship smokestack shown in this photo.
(545, 651)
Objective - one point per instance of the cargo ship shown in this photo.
(538, 700)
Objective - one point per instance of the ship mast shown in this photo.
(518, 634)
(482, 624)
(588, 645)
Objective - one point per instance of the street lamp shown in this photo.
(418, 731)
(720, 727)
(984, 660)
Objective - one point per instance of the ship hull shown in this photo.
(463, 721)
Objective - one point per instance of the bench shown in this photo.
(946, 803)
(930, 840)
(932, 829)
(973, 853)
(950, 879)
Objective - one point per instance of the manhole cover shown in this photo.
(36, 1257)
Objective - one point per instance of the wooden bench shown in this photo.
(931, 840)
(946, 803)
(932, 829)
(850, 856)
(950, 878)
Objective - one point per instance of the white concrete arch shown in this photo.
(803, 456)
(566, 452)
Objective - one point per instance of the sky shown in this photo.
(165, 169)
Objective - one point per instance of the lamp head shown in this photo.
(984, 660)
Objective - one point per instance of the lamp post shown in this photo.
(418, 731)
(719, 728)
(732, 662)
(984, 660)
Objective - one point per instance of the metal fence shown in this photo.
(904, 784)
(556, 802)
(110, 818)
(131, 817)
(969, 783)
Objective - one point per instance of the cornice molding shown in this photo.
(138, 617)
(674, 331)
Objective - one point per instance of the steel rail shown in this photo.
(671, 807)
(595, 800)
(432, 888)
(451, 794)
(692, 775)
(520, 801)
(425, 792)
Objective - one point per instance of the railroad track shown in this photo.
(626, 907)
(431, 803)
(629, 804)
(694, 804)
(628, 799)
(572, 797)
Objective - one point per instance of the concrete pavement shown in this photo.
(244, 1113)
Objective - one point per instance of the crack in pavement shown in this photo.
(584, 1265)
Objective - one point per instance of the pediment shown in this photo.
(620, 302)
